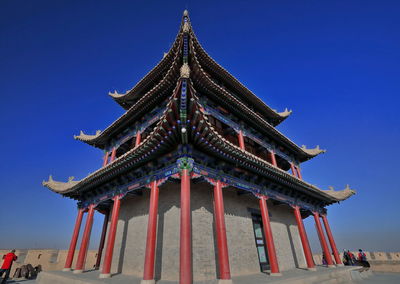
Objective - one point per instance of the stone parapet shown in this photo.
(379, 261)
(49, 259)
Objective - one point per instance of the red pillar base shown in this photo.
(107, 275)
(67, 269)
(225, 281)
(152, 281)
(340, 265)
(311, 269)
(78, 271)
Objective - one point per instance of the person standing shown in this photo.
(6, 267)
(362, 258)
(351, 256)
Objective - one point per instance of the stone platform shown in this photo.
(297, 276)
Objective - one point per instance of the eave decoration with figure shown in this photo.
(196, 182)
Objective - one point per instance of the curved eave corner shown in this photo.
(122, 99)
(117, 96)
(89, 139)
(284, 114)
(311, 153)
(58, 186)
(340, 195)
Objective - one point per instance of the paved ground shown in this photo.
(381, 278)
(22, 281)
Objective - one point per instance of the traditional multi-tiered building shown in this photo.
(197, 181)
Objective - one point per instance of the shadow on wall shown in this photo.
(292, 248)
(123, 246)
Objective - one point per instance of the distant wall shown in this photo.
(379, 261)
(55, 259)
(49, 259)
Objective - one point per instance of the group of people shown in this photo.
(8, 259)
(350, 259)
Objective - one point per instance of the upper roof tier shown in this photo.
(129, 98)
(212, 80)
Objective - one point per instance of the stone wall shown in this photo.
(132, 228)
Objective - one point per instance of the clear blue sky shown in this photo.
(335, 63)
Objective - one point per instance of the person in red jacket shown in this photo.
(6, 267)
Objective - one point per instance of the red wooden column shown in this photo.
(113, 154)
(74, 240)
(80, 263)
(220, 228)
(273, 261)
(292, 167)
(273, 159)
(138, 139)
(241, 140)
(105, 273)
(148, 273)
(304, 239)
(332, 241)
(322, 239)
(102, 240)
(185, 265)
(105, 159)
(298, 172)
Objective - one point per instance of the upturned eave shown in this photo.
(101, 138)
(148, 149)
(303, 154)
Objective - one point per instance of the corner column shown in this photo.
(102, 240)
(148, 273)
(273, 159)
(292, 167)
(241, 140)
(74, 240)
(273, 261)
(113, 154)
(332, 241)
(298, 172)
(322, 239)
(185, 255)
(105, 273)
(304, 239)
(220, 228)
(138, 139)
(105, 159)
(80, 263)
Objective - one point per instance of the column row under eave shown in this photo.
(185, 273)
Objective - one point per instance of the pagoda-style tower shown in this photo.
(197, 181)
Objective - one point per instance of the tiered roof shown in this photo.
(164, 83)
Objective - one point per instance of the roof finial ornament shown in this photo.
(185, 13)
(185, 70)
